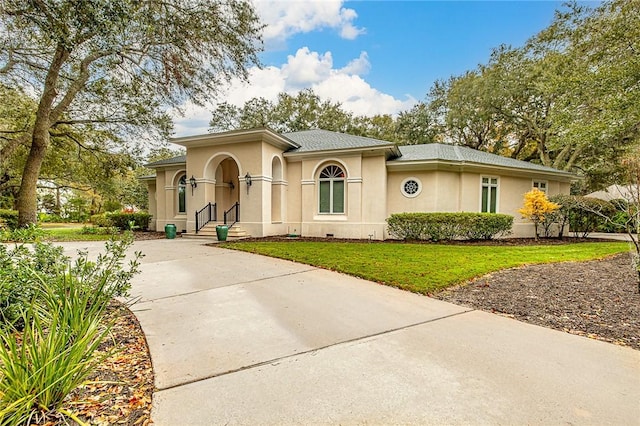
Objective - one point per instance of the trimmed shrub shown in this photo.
(485, 226)
(448, 226)
(128, 221)
(9, 218)
(101, 220)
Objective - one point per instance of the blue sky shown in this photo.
(374, 57)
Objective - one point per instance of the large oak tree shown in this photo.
(115, 67)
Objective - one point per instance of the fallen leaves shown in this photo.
(120, 390)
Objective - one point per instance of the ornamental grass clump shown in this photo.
(52, 349)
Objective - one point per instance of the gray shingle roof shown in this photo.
(455, 153)
(324, 140)
(181, 159)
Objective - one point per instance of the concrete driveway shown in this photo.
(237, 338)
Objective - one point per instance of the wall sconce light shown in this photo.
(193, 183)
(247, 179)
(231, 185)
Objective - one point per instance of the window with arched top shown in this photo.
(182, 194)
(331, 192)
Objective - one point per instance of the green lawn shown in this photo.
(72, 234)
(424, 268)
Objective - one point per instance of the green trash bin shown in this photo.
(170, 231)
(221, 232)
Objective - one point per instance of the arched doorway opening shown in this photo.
(227, 184)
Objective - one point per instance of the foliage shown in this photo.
(536, 207)
(567, 99)
(448, 226)
(306, 110)
(49, 218)
(53, 353)
(101, 220)
(587, 215)
(584, 215)
(99, 230)
(623, 219)
(28, 234)
(423, 268)
(127, 221)
(8, 218)
(560, 217)
(55, 322)
(111, 69)
(289, 113)
(17, 266)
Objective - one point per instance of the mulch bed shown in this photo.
(121, 388)
(598, 299)
(148, 235)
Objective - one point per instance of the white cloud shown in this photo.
(305, 69)
(285, 18)
(360, 65)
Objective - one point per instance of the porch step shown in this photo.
(209, 231)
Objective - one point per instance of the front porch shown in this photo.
(206, 221)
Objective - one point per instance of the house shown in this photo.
(321, 183)
(617, 192)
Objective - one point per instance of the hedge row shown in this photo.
(123, 221)
(449, 226)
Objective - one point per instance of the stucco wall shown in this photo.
(153, 204)
(444, 191)
(365, 201)
(167, 198)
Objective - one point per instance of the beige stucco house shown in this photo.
(321, 183)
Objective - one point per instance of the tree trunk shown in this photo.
(28, 198)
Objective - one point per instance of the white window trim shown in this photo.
(344, 205)
(497, 186)
(418, 181)
(546, 185)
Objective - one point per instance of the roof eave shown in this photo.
(160, 164)
(478, 167)
(263, 134)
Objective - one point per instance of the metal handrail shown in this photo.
(208, 213)
(233, 214)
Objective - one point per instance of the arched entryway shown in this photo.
(227, 184)
(222, 190)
